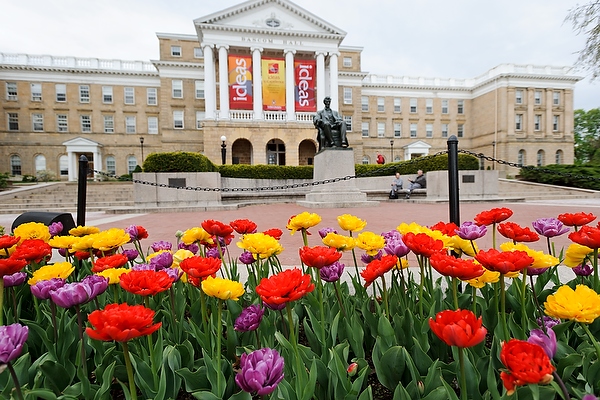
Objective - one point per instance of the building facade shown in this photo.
(251, 79)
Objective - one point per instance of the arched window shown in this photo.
(521, 157)
(365, 159)
(131, 164)
(559, 157)
(540, 158)
(111, 165)
(63, 164)
(15, 165)
(40, 163)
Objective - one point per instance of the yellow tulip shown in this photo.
(32, 230)
(303, 220)
(581, 304)
(196, 235)
(540, 259)
(181, 255)
(111, 239)
(260, 245)
(62, 242)
(338, 242)
(57, 270)
(223, 289)
(487, 277)
(370, 242)
(113, 274)
(351, 223)
(575, 254)
(83, 231)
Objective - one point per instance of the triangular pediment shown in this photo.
(267, 16)
(419, 144)
(81, 142)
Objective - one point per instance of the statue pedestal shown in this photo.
(335, 163)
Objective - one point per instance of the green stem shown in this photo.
(503, 307)
(15, 380)
(204, 312)
(463, 376)
(115, 291)
(494, 235)
(592, 338)
(2, 301)
(385, 298)
(421, 281)
(323, 322)
(595, 263)
(132, 388)
(80, 325)
(339, 298)
(523, 305)
(294, 342)
(474, 299)
(455, 292)
(151, 349)
(217, 354)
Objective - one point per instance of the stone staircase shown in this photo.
(62, 197)
(511, 189)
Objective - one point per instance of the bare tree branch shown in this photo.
(586, 20)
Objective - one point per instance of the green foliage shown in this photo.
(46, 176)
(266, 171)
(587, 136)
(28, 178)
(4, 180)
(437, 163)
(578, 175)
(178, 161)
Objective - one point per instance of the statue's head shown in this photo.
(327, 100)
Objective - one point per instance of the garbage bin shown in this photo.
(46, 218)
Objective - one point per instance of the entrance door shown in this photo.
(90, 157)
(275, 152)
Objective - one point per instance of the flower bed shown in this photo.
(112, 320)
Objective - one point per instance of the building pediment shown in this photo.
(419, 144)
(278, 17)
(81, 142)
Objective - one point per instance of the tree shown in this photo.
(586, 19)
(587, 136)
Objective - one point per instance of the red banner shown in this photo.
(240, 82)
(304, 90)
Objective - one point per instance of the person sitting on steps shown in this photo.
(420, 182)
(396, 184)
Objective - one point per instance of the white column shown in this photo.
(257, 82)
(320, 78)
(289, 85)
(210, 88)
(333, 79)
(73, 166)
(98, 162)
(223, 83)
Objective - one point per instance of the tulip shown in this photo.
(55, 228)
(131, 254)
(284, 287)
(12, 338)
(260, 371)
(136, 232)
(213, 252)
(324, 231)
(493, 216)
(217, 228)
(549, 227)
(395, 246)
(589, 397)
(351, 223)
(162, 260)
(274, 233)
(549, 322)
(583, 270)
(470, 231)
(161, 245)
(319, 256)
(246, 258)
(243, 226)
(546, 341)
(459, 328)
(366, 258)
(249, 319)
(15, 279)
(581, 304)
(223, 289)
(42, 289)
(352, 369)
(517, 233)
(576, 219)
(526, 363)
(333, 272)
(192, 247)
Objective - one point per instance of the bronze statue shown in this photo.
(331, 127)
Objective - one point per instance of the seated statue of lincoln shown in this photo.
(331, 127)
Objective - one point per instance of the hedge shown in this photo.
(579, 176)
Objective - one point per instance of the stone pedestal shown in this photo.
(331, 164)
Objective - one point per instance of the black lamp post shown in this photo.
(223, 150)
(392, 150)
(142, 147)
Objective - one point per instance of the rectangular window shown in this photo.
(84, 93)
(62, 123)
(198, 52)
(111, 165)
(444, 106)
(153, 125)
(347, 62)
(37, 121)
(518, 97)
(178, 119)
(36, 92)
(429, 106)
(519, 122)
(61, 92)
(129, 95)
(365, 129)
(177, 88)
(107, 94)
(460, 130)
(176, 51)
(537, 97)
(15, 165)
(397, 104)
(151, 97)
(556, 98)
(413, 105)
(348, 121)
(129, 124)
(109, 123)
(444, 130)
(413, 130)
(199, 86)
(537, 122)
(13, 121)
(429, 130)
(397, 130)
(86, 123)
(364, 103)
(347, 95)
(460, 107)
(380, 104)
(11, 91)
(555, 121)
(199, 118)
(381, 129)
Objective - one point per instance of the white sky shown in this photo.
(430, 38)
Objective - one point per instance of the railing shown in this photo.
(75, 62)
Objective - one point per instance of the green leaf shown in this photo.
(367, 394)
(205, 396)
(401, 394)
(39, 394)
(309, 389)
(241, 396)
(57, 375)
(106, 382)
(194, 381)
(391, 367)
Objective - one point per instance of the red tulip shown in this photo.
(114, 261)
(576, 219)
(493, 216)
(319, 256)
(217, 228)
(288, 285)
(200, 267)
(515, 232)
(447, 228)
(455, 267)
(527, 363)
(504, 262)
(146, 282)
(587, 236)
(459, 328)
(10, 265)
(274, 233)
(422, 244)
(33, 250)
(7, 241)
(242, 226)
(121, 322)
(378, 267)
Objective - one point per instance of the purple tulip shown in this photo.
(96, 283)
(395, 246)
(546, 341)
(469, 230)
(162, 260)
(132, 231)
(12, 338)
(76, 293)
(143, 267)
(246, 258)
(42, 289)
(589, 397)
(63, 252)
(193, 247)
(536, 271)
(15, 279)
(333, 272)
(213, 252)
(323, 232)
(131, 254)
(365, 258)
(249, 319)
(261, 371)
(549, 227)
(393, 234)
(174, 273)
(548, 321)
(583, 270)
(55, 228)
(161, 245)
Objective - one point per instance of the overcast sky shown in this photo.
(430, 38)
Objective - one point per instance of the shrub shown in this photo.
(564, 175)
(4, 180)
(266, 171)
(437, 163)
(178, 161)
(28, 178)
(46, 176)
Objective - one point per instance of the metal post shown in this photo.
(142, 146)
(392, 150)
(81, 190)
(223, 150)
(453, 179)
